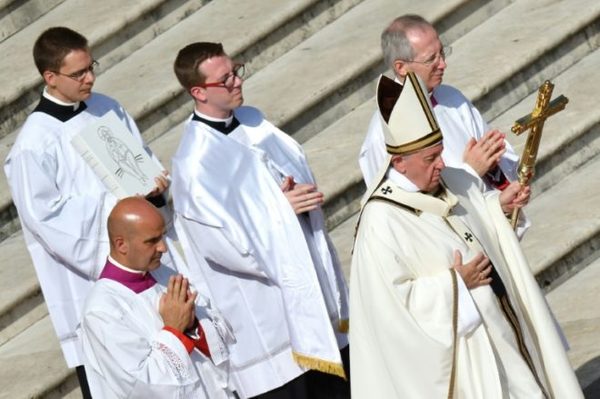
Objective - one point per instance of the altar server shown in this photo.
(62, 204)
(143, 334)
(245, 199)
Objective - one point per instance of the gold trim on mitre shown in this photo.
(416, 145)
(408, 121)
(423, 99)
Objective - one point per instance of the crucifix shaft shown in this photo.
(544, 108)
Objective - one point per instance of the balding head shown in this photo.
(411, 44)
(135, 231)
(395, 41)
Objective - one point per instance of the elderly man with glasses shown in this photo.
(246, 201)
(411, 44)
(61, 203)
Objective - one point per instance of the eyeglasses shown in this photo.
(81, 74)
(436, 58)
(237, 72)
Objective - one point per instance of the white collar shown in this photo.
(120, 266)
(50, 97)
(227, 120)
(401, 181)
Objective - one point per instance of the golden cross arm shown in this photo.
(525, 123)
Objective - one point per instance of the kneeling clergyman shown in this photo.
(442, 300)
(143, 333)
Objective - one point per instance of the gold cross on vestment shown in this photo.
(544, 108)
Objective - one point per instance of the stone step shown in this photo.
(304, 106)
(309, 88)
(21, 301)
(266, 31)
(531, 41)
(566, 225)
(571, 137)
(32, 365)
(333, 156)
(575, 304)
(111, 38)
(15, 15)
(162, 103)
(343, 239)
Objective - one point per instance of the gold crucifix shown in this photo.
(544, 108)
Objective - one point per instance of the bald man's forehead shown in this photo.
(132, 208)
(133, 215)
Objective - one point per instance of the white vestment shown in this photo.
(128, 354)
(408, 307)
(63, 207)
(459, 121)
(274, 274)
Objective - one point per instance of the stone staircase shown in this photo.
(313, 66)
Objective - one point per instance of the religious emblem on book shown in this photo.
(117, 158)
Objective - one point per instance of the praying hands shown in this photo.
(177, 305)
(485, 154)
(302, 197)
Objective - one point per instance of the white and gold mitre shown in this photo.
(408, 121)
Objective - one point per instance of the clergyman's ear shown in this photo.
(121, 245)
(198, 93)
(49, 78)
(398, 163)
(400, 69)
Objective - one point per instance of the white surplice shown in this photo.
(63, 208)
(274, 275)
(459, 121)
(128, 354)
(403, 296)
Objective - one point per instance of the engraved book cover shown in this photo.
(116, 157)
